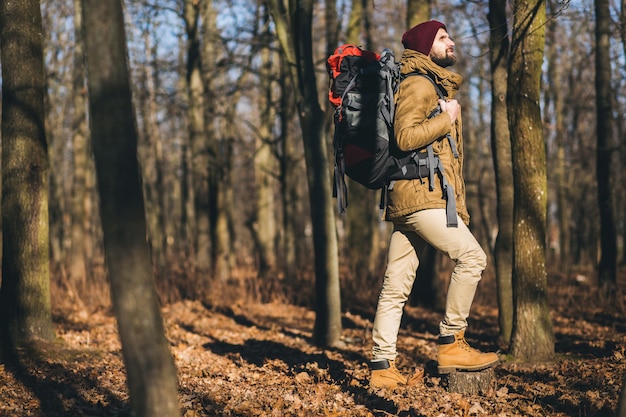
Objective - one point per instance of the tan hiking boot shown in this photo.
(455, 354)
(385, 375)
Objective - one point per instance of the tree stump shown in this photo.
(470, 383)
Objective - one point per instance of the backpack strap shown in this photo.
(434, 162)
(442, 95)
(448, 195)
(431, 166)
(348, 88)
(340, 188)
(448, 189)
(391, 74)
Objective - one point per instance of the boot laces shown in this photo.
(465, 346)
(392, 368)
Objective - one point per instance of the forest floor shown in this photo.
(253, 359)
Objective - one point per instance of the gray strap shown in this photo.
(442, 96)
(431, 167)
(340, 188)
(448, 194)
(349, 87)
(453, 146)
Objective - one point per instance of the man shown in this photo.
(419, 215)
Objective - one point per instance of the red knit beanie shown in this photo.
(420, 38)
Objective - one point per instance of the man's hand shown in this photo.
(452, 107)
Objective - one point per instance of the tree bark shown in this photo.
(151, 156)
(417, 11)
(198, 139)
(80, 206)
(606, 150)
(621, 405)
(469, 383)
(532, 336)
(559, 247)
(501, 151)
(150, 368)
(221, 152)
(25, 306)
(622, 26)
(293, 223)
(293, 27)
(264, 161)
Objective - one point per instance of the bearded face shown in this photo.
(442, 51)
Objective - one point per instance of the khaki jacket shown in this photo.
(415, 100)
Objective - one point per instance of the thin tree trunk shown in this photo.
(151, 155)
(293, 27)
(25, 306)
(532, 336)
(501, 150)
(290, 189)
(58, 191)
(417, 11)
(264, 161)
(80, 206)
(621, 406)
(622, 20)
(198, 139)
(562, 252)
(355, 22)
(606, 150)
(151, 373)
(221, 213)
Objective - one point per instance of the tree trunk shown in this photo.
(151, 156)
(59, 223)
(532, 335)
(501, 150)
(417, 11)
(354, 31)
(293, 27)
(290, 189)
(606, 150)
(221, 151)
(470, 383)
(25, 306)
(150, 368)
(223, 233)
(559, 245)
(81, 241)
(622, 26)
(198, 139)
(264, 161)
(621, 405)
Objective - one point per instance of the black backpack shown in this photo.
(362, 89)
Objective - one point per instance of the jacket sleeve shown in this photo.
(416, 99)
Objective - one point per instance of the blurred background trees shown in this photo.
(223, 161)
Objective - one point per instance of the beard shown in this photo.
(444, 60)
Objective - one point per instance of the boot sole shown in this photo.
(452, 369)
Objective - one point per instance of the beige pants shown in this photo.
(408, 240)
